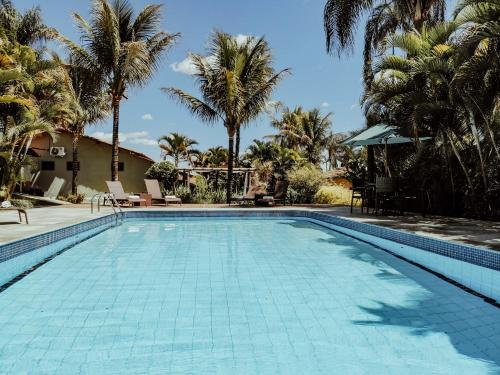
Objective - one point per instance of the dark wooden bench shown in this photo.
(19, 212)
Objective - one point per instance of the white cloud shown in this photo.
(354, 106)
(136, 138)
(186, 66)
(144, 141)
(147, 117)
(325, 104)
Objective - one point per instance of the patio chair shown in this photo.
(279, 195)
(358, 193)
(280, 192)
(19, 212)
(384, 192)
(116, 188)
(248, 197)
(153, 188)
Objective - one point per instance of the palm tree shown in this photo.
(302, 131)
(236, 81)
(178, 146)
(333, 149)
(384, 17)
(290, 128)
(88, 104)
(316, 128)
(262, 151)
(23, 28)
(123, 50)
(217, 156)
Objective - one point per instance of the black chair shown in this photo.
(385, 193)
(358, 192)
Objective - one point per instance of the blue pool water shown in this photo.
(218, 296)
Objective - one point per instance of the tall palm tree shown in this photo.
(334, 149)
(177, 146)
(384, 17)
(89, 105)
(123, 50)
(304, 131)
(217, 156)
(236, 81)
(316, 128)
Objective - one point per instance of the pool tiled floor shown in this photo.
(240, 296)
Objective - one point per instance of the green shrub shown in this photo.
(21, 203)
(182, 192)
(72, 198)
(304, 181)
(165, 172)
(335, 194)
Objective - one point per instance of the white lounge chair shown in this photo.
(153, 188)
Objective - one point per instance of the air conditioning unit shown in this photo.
(57, 152)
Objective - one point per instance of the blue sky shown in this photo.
(294, 31)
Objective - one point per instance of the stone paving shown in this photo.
(472, 232)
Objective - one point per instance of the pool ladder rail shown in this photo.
(114, 204)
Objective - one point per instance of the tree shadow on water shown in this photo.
(471, 325)
(431, 305)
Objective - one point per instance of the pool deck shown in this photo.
(468, 231)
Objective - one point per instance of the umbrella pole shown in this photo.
(371, 163)
(386, 159)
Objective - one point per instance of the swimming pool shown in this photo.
(236, 296)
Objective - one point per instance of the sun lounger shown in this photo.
(153, 188)
(19, 212)
(279, 195)
(248, 197)
(116, 188)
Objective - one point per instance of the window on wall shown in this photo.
(48, 165)
(69, 166)
(121, 166)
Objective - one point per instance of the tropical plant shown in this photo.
(446, 85)
(334, 149)
(261, 151)
(33, 100)
(236, 81)
(177, 146)
(22, 28)
(384, 17)
(304, 131)
(122, 50)
(165, 172)
(305, 182)
(88, 104)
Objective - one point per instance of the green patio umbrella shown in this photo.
(380, 134)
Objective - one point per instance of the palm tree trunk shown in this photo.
(74, 167)
(115, 149)
(419, 15)
(237, 148)
(479, 150)
(460, 161)
(230, 162)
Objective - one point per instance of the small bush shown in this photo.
(304, 181)
(334, 194)
(182, 192)
(21, 203)
(72, 198)
(165, 172)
